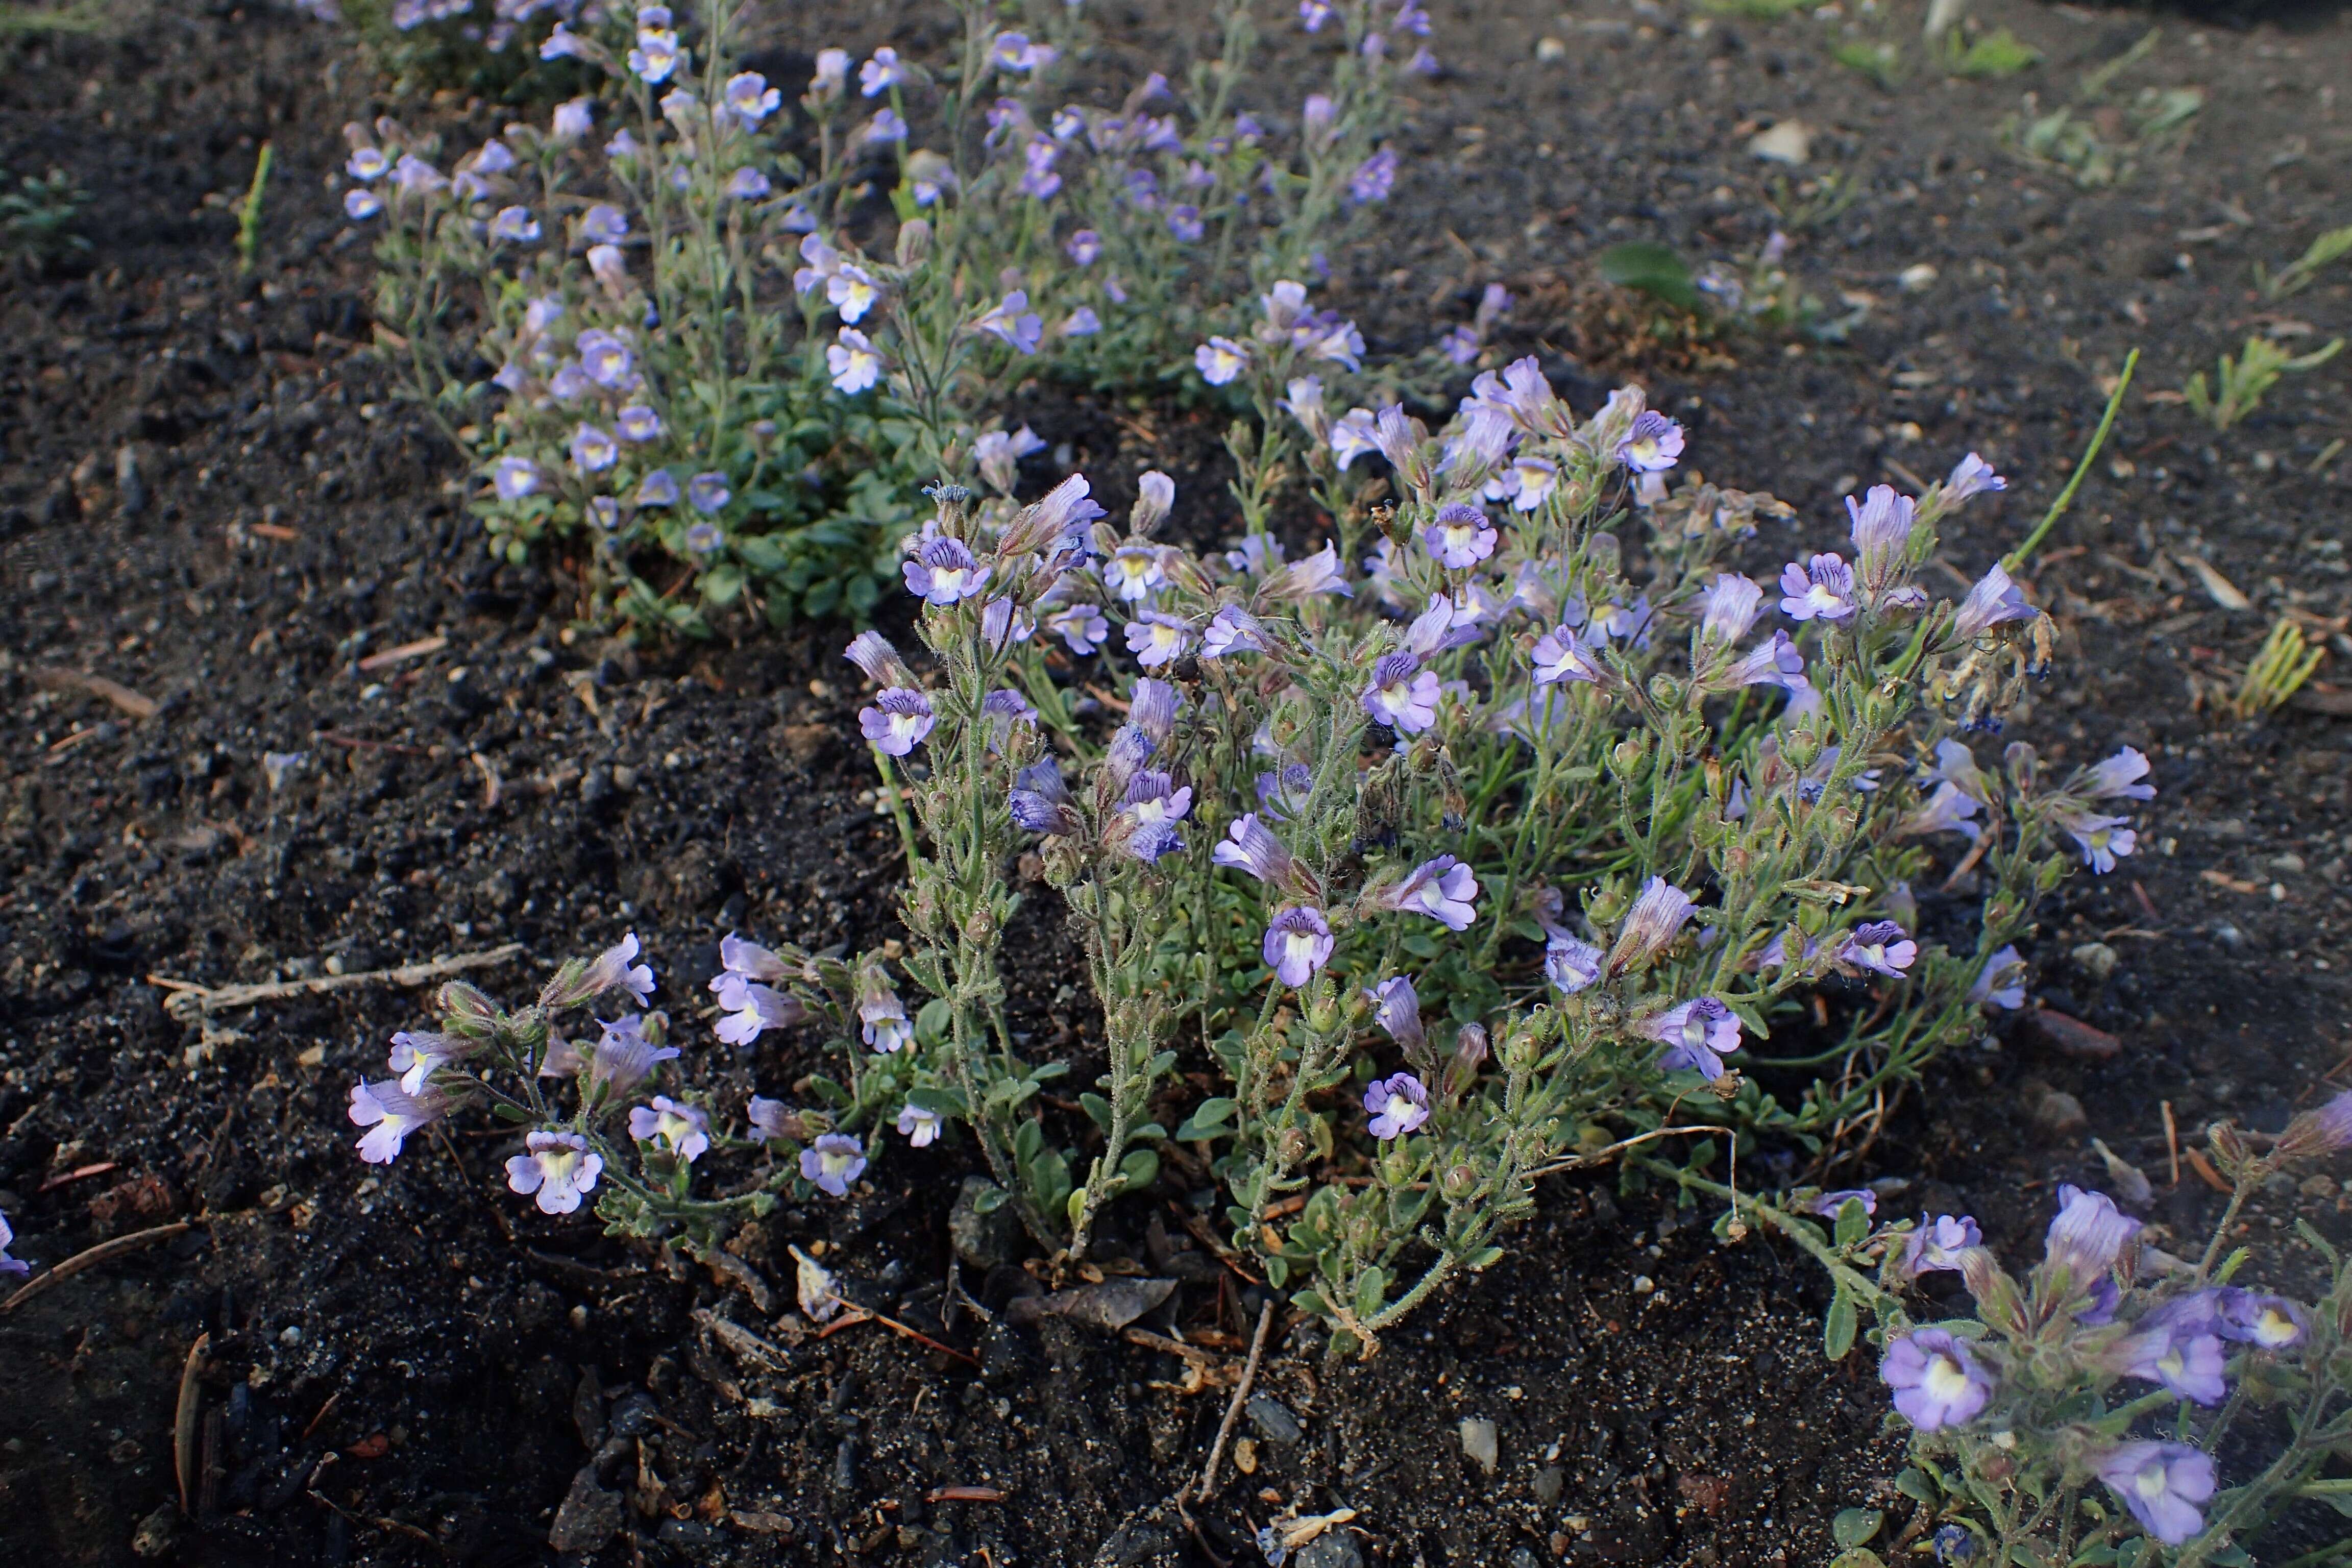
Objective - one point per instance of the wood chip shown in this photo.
(2224, 591)
(407, 650)
(130, 703)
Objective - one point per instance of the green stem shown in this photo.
(2018, 557)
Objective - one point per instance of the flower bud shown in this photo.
(1294, 1146)
(914, 242)
(1469, 1052)
(466, 1011)
(1458, 1182)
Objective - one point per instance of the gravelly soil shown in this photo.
(404, 1368)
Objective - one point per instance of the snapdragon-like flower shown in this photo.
(1937, 1383)
(515, 478)
(367, 163)
(1313, 14)
(1149, 808)
(1444, 889)
(2248, 1317)
(1828, 1204)
(1082, 247)
(1993, 599)
(1397, 1105)
(414, 173)
(750, 100)
(1354, 435)
(1005, 624)
(1460, 538)
(606, 359)
(10, 1264)
(1297, 944)
(2102, 839)
(1938, 1243)
(616, 969)
(622, 1057)
(1697, 1035)
(1653, 445)
(1250, 845)
(558, 1166)
(390, 1113)
(2001, 982)
(1158, 639)
(851, 290)
(1881, 947)
(1320, 572)
(1971, 476)
(1155, 497)
(1220, 360)
(1776, 661)
(2186, 1360)
(1397, 1010)
(1729, 607)
(653, 61)
(832, 1161)
(1659, 913)
(2322, 1130)
(1233, 630)
(2089, 1234)
(418, 1054)
(1401, 694)
(1083, 627)
(1040, 802)
(1618, 622)
(1011, 321)
(658, 487)
(887, 125)
(853, 361)
(1949, 810)
(1882, 535)
(771, 1119)
(919, 1127)
(358, 205)
(2118, 776)
(683, 1129)
(1570, 964)
(592, 451)
(1373, 178)
(1528, 481)
(1821, 589)
(636, 423)
(898, 720)
(1134, 572)
(1559, 654)
(748, 185)
(2162, 1484)
(943, 572)
(753, 1009)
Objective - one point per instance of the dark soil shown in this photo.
(405, 1366)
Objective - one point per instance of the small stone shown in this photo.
(1790, 141)
(2068, 1036)
(1480, 1442)
(2055, 1112)
(1916, 278)
(1273, 1419)
(154, 1536)
(2098, 960)
(589, 1517)
(1246, 1454)
(1547, 1484)
(1548, 49)
(983, 1241)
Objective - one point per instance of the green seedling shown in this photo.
(1882, 63)
(2304, 271)
(1648, 267)
(2000, 53)
(2242, 383)
(248, 215)
(2280, 668)
(36, 218)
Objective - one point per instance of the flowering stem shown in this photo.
(2018, 557)
(1854, 1281)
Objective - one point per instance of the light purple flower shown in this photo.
(558, 1167)
(881, 73)
(1040, 181)
(1401, 694)
(1081, 323)
(770, 1119)
(1283, 795)
(1009, 321)
(882, 1022)
(709, 492)
(887, 125)
(1005, 624)
(1445, 890)
(684, 1129)
(358, 205)
(1297, 944)
(622, 1057)
(1560, 655)
(1881, 947)
(418, 1054)
(1082, 626)
(1149, 808)
(1570, 964)
(1308, 576)
(2162, 1484)
(2088, 1236)
(2119, 775)
(1460, 538)
(1397, 1010)
(944, 572)
(390, 1113)
(1937, 1382)
(1040, 802)
(919, 1127)
(1729, 607)
(1158, 639)
(1948, 810)
(1397, 1105)
(637, 424)
(2001, 982)
(832, 1161)
(1233, 630)
(1653, 445)
(748, 185)
(1828, 1204)
(515, 478)
(1354, 433)
(653, 60)
(2248, 1317)
(367, 163)
(1184, 222)
(414, 173)
(10, 1264)
(658, 487)
(1084, 246)
(853, 362)
(1373, 178)
(592, 451)
(753, 1009)
(605, 358)
(750, 98)
(1529, 482)
(1658, 917)
(1313, 14)
(1775, 661)
(616, 969)
(2187, 1360)
(1882, 535)
(1821, 589)
(1220, 360)
(1972, 476)
(850, 290)
(897, 721)
(1994, 600)
(1697, 1035)
(1938, 1243)
(2102, 839)
(1249, 846)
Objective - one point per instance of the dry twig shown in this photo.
(1207, 1485)
(114, 691)
(183, 1425)
(92, 1257)
(189, 1000)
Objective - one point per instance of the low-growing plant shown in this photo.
(248, 213)
(1995, 53)
(36, 218)
(2304, 269)
(701, 375)
(2278, 669)
(487, 46)
(2239, 386)
(2157, 121)
(2079, 1415)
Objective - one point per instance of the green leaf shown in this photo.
(1914, 1484)
(1855, 1526)
(1653, 269)
(832, 1093)
(1483, 1259)
(1858, 1557)
(1838, 1330)
(1277, 1272)
(1027, 1139)
(938, 1101)
(1139, 1169)
(506, 1112)
(934, 1022)
(1371, 1290)
(1098, 1109)
(1852, 1222)
(989, 1199)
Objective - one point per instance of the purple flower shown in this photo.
(753, 1009)
(1354, 433)
(1882, 535)
(1945, 811)
(390, 1113)
(1220, 360)
(1149, 808)
(1003, 625)
(1081, 323)
(1560, 655)
(1937, 1382)
(1528, 481)
(653, 60)
(2184, 1358)
(1570, 964)
(2248, 1317)
(2102, 839)
(622, 1057)
(2119, 775)
(1401, 694)
(1374, 178)
(1297, 944)
(1657, 915)
(1442, 888)
(1158, 639)
(1313, 14)
(10, 1264)
(887, 125)
(592, 451)
(1250, 845)
(614, 970)
(882, 1022)
(1308, 576)
(750, 98)
(1994, 600)
(1082, 626)
(558, 1167)
(1821, 589)
(1184, 222)
(833, 1161)
(919, 1127)
(1283, 795)
(897, 721)
(1972, 476)
(1397, 1105)
(1938, 1242)
(748, 185)
(2324, 1131)
(683, 1129)
(709, 492)
(1009, 321)
(1652, 445)
(1828, 1204)
(770, 1119)
(1881, 947)
(1040, 802)
(881, 73)
(1773, 662)
(1233, 630)
(1397, 1010)
(657, 489)
(418, 1054)
(1459, 344)
(515, 478)
(604, 224)
(850, 290)
(605, 358)
(1084, 246)
(414, 173)
(1697, 1035)
(2088, 1236)
(2002, 983)
(358, 205)
(944, 571)
(1460, 538)
(1618, 622)
(2161, 1483)
(1040, 181)
(1729, 607)
(639, 424)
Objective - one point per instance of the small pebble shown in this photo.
(1480, 1444)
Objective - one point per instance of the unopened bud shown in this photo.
(466, 1011)
(1458, 1183)
(914, 242)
